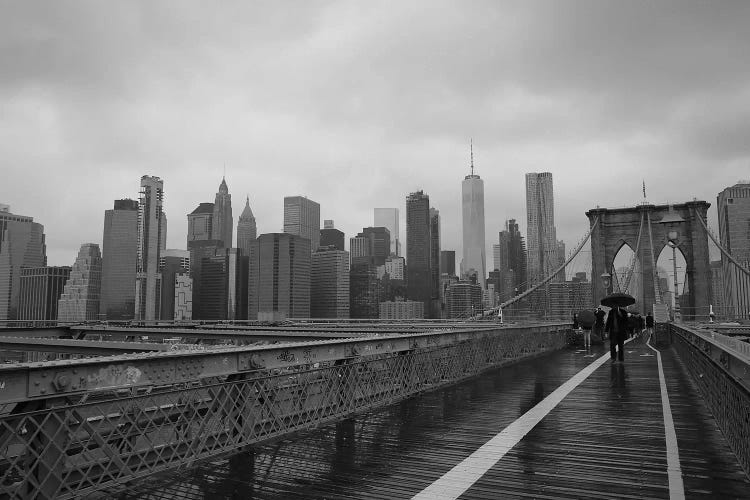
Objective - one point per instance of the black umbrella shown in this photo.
(618, 299)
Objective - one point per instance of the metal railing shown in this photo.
(71, 428)
(720, 367)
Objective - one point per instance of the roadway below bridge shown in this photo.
(569, 424)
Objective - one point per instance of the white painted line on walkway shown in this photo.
(460, 478)
(674, 471)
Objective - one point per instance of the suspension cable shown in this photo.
(723, 250)
(629, 276)
(654, 273)
(548, 278)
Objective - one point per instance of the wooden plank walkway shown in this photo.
(605, 439)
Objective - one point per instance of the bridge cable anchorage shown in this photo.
(724, 251)
(546, 280)
(629, 276)
(654, 272)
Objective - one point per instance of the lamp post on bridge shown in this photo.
(606, 282)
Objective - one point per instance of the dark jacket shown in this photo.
(599, 317)
(617, 323)
(649, 321)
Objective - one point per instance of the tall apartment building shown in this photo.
(472, 211)
(541, 237)
(172, 262)
(329, 284)
(388, 218)
(279, 275)
(302, 218)
(247, 230)
(330, 237)
(80, 298)
(41, 288)
(418, 249)
(148, 279)
(223, 223)
(733, 208)
(21, 245)
(119, 256)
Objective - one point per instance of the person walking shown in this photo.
(617, 329)
(650, 326)
(599, 323)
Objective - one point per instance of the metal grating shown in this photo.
(70, 445)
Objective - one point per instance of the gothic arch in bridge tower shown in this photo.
(631, 226)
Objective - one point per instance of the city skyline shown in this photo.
(522, 80)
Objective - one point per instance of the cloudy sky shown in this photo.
(356, 104)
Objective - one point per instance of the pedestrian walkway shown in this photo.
(601, 434)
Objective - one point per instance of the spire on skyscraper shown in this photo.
(247, 213)
(471, 149)
(223, 189)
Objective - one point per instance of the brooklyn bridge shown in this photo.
(489, 407)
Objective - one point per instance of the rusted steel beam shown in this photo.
(20, 382)
(86, 347)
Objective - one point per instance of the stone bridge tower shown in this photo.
(619, 226)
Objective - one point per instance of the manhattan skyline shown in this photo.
(344, 105)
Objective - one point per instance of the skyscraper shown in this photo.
(119, 255)
(21, 245)
(200, 224)
(329, 284)
(541, 238)
(247, 231)
(80, 298)
(472, 210)
(302, 217)
(148, 279)
(377, 244)
(517, 255)
(171, 263)
(331, 237)
(448, 262)
(388, 218)
(418, 255)
(280, 277)
(222, 217)
(435, 263)
(733, 208)
(41, 288)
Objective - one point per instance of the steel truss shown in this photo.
(71, 428)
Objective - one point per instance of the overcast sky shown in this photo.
(357, 104)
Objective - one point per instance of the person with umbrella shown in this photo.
(617, 323)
